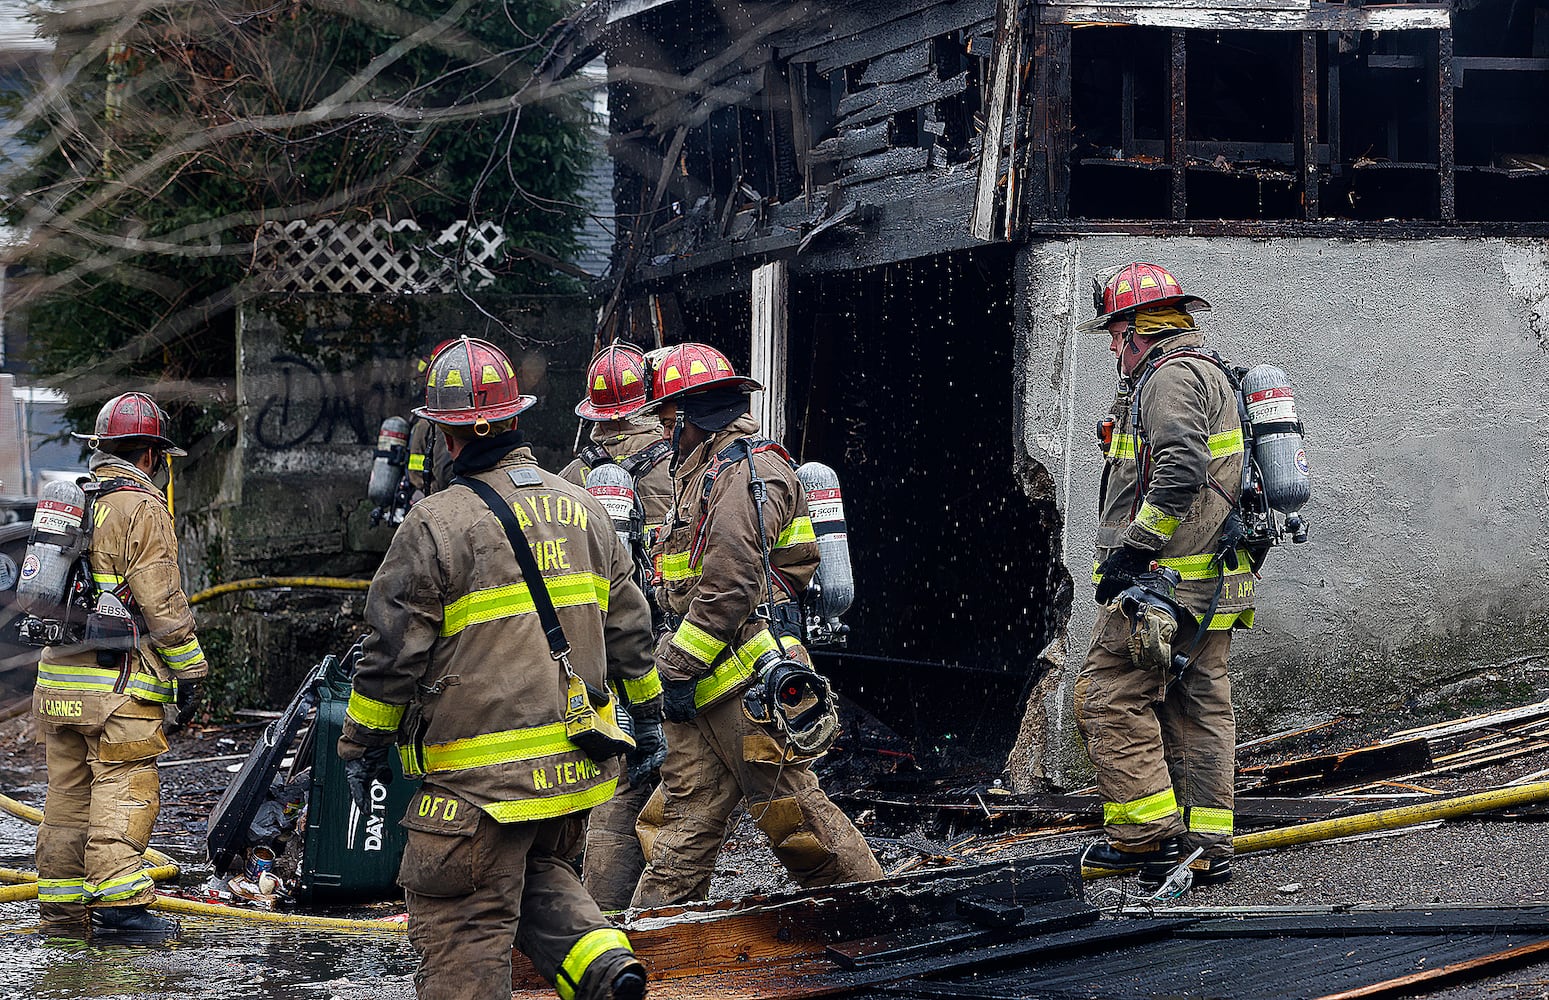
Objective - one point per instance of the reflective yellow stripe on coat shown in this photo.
(567, 591)
(103, 680)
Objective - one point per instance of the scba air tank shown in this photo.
(1278, 448)
(615, 490)
(392, 457)
(834, 582)
(57, 541)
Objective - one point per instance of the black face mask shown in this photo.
(714, 410)
(484, 453)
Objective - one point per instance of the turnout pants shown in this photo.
(721, 759)
(614, 861)
(103, 797)
(479, 887)
(1165, 756)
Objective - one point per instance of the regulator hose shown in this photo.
(274, 582)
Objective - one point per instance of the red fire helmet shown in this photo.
(691, 368)
(1123, 290)
(131, 418)
(615, 384)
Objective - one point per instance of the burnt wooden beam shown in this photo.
(889, 99)
(898, 65)
(981, 220)
(878, 39)
(1446, 100)
(1379, 761)
(727, 937)
(1430, 980)
(1307, 128)
(1060, 119)
(1333, 108)
(1177, 143)
(887, 163)
(950, 936)
(1220, 16)
(850, 143)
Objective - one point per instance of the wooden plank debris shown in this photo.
(1003, 67)
(1383, 760)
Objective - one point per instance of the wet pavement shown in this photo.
(227, 958)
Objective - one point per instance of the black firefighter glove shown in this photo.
(678, 701)
(649, 752)
(370, 767)
(1119, 570)
(188, 698)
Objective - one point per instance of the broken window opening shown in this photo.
(1393, 125)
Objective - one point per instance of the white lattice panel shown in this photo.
(375, 256)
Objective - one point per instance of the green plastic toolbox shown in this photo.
(349, 856)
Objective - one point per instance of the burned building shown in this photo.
(891, 209)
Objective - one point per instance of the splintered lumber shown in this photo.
(1383, 760)
(1494, 720)
(756, 932)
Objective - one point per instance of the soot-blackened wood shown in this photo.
(891, 98)
(948, 937)
(1307, 127)
(731, 935)
(937, 19)
(1446, 100)
(1177, 142)
(892, 161)
(1381, 761)
(1429, 980)
(898, 65)
(1060, 119)
(851, 143)
(1439, 920)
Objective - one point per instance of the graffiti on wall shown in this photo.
(301, 404)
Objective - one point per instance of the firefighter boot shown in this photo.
(1211, 871)
(1104, 857)
(132, 921)
(629, 984)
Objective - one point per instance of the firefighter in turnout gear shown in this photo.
(461, 672)
(101, 703)
(430, 467)
(1162, 737)
(721, 629)
(616, 384)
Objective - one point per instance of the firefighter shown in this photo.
(101, 704)
(714, 586)
(1162, 742)
(616, 383)
(457, 670)
(430, 468)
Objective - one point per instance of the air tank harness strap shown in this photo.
(723, 459)
(1142, 449)
(594, 455)
(646, 459)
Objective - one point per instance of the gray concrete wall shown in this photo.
(1422, 374)
(282, 491)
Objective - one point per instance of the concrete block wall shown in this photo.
(1422, 374)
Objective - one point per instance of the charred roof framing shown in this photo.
(855, 134)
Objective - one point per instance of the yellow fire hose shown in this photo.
(25, 886)
(1387, 819)
(272, 582)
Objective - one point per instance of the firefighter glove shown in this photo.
(649, 752)
(188, 700)
(1119, 571)
(678, 701)
(370, 767)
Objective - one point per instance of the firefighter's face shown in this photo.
(669, 416)
(1126, 347)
